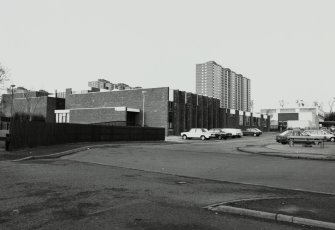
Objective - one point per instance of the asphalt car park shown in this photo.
(163, 185)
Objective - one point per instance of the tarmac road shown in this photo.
(219, 160)
(146, 186)
(62, 194)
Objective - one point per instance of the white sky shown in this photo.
(286, 48)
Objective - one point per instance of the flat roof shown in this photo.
(119, 108)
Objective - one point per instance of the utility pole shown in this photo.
(143, 92)
(12, 104)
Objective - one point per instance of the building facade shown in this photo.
(35, 104)
(231, 88)
(134, 107)
(102, 84)
(188, 110)
(311, 116)
(174, 110)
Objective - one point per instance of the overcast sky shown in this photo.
(286, 48)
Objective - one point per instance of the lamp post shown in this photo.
(11, 119)
(143, 92)
(11, 108)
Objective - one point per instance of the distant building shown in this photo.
(24, 91)
(280, 116)
(231, 88)
(16, 90)
(107, 85)
(101, 84)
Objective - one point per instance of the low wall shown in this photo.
(32, 134)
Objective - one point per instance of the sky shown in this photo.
(286, 47)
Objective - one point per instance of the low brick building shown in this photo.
(35, 104)
(124, 107)
(182, 112)
(188, 110)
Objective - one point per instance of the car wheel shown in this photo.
(203, 138)
(184, 137)
(332, 139)
(220, 137)
(255, 134)
(283, 143)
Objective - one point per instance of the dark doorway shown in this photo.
(131, 118)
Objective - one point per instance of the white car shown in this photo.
(234, 132)
(320, 133)
(199, 133)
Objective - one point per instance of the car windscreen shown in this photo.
(286, 133)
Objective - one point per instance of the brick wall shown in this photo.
(43, 106)
(52, 105)
(206, 112)
(97, 115)
(38, 106)
(200, 113)
(156, 103)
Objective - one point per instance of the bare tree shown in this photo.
(251, 104)
(4, 76)
(281, 103)
(318, 104)
(30, 107)
(331, 104)
(2, 73)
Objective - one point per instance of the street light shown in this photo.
(11, 108)
(143, 92)
(11, 115)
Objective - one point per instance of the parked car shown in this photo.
(197, 133)
(283, 137)
(321, 134)
(227, 134)
(252, 131)
(234, 132)
(218, 133)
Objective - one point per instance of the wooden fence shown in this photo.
(32, 134)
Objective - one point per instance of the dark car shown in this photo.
(252, 132)
(218, 133)
(283, 137)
